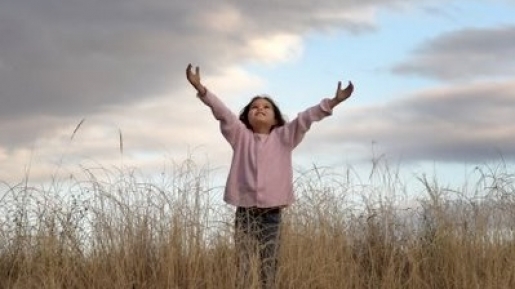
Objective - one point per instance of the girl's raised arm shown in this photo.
(230, 125)
(294, 131)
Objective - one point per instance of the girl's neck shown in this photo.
(262, 130)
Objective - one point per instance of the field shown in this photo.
(113, 228)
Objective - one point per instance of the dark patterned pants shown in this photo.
(257, 245)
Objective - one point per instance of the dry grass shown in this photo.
(112, 229)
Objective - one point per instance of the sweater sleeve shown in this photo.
(293, 132)
(230, 125)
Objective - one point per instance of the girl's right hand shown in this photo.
(194, 79)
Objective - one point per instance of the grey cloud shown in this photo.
(471, 124)
(65, 57)
(464, 54)
(73, 58)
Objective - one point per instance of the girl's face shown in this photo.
(261, 114)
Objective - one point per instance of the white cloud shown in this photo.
(276, 49)
(224, 19)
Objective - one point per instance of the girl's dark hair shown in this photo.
(244, 115)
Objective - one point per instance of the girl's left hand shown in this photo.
(343, 94)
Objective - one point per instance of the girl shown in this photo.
(260, 180)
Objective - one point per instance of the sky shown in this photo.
(102, 83)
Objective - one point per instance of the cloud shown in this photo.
(464, 54)
(62, 60)
(277, 49)
(462, 123)
(143, 135)
(120, 66)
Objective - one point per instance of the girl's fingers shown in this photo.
(350, 87)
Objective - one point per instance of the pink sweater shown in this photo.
(261, 173)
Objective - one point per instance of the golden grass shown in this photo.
(112, 229)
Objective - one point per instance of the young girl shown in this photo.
(260, 181)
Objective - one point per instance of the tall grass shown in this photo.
(111, 228)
